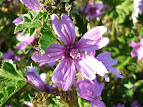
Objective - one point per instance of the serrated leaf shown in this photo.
(37, 16)
(30, 14)
(26, 19)
(18, 28)
(10, 80)
(46, 38)
(26, 25)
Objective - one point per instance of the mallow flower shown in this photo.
(93, 10)
(119, 105)
(91, 91)
(29, 104)
(34, 77)
(135, 104)
(32, 4)
(138, 49)
(72, 53)
(10, 55)
(108, 62)
(24, 40)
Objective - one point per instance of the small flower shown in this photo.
(135, 104)
(25, 40)
(94, 10)
(91, 91)
(73, 53)
(138, 9)
(34, 77)
(8, 106)
(138, 49)
(18, 20)
(10, 55)
(32, 4)
(119, 105)
(108, 62)
(28, 103)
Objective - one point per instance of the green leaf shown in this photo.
(81, 24)
(10, 80)
(18, 28)
(38, 16)
(26, 19)
(46, 38)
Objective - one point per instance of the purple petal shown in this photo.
(97, 104)
(65, 29)
(27, 39)
(18, 20)
(21, 46)
(55, 52)
(91, 53)
(115, 71)
(98, 88)
(86, 85)
(39, 58)
(106, 59)
(86, 68)
(8, 55)
(65, 72)
(32, 4)
(140, 53)
(69, 76)
(34, 77)
(141, 42)
(134, 52)
(135, 104)
(86, 96)
(133, 44)
(52, 64)
(28, 103)
(92, 40)
(107, 79)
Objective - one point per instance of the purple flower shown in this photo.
(138, 49)
(73, 53)
(25, 40)
(18, 20)
(136, 104)
(141, 5)
(8, 106)
(34, 77)
(108, 62)
(32, 4)
(138, 9)
(94, 10)
(91, 91)
(10, 55)
(28, 103)
(119, 105)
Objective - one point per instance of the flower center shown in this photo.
(12, 57)
(74, 53)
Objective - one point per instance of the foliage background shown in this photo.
(121, 31)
